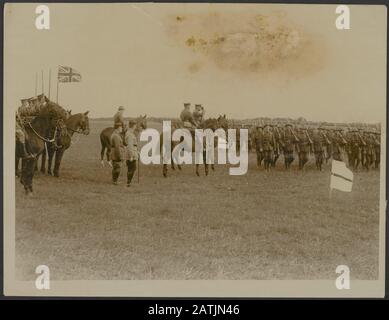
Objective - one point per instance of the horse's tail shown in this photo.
(105, 144)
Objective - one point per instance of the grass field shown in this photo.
(277, 225)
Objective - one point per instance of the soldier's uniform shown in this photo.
(278, 143)
(118, 118)
(289, 140)
(258, 144)
(338, 143)
(198, 114)
(355, 148)
(187, 117)
(369, 149)
(268, 146)
(377, 148)
(117, 153)
(304, 147)
(30, 107)
(131, 153)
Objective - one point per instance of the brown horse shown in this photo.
(38, 130)
(105, 138)
(211, 123)
(77, 123)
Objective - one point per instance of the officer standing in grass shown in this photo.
(131, 141)
(117, 151)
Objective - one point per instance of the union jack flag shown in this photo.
(68, 74)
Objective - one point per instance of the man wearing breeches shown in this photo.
(117, 152)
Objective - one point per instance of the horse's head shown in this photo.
(222, 122)
(79, 123)
(141, 122)
(210, 123)
(84, 123)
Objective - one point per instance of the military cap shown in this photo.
(121, 108)
(131, 123)
(118, 124)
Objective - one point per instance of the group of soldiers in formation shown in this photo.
(359, 145)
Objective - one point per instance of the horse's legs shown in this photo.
(206, 165)
(51, 152)
(36, 163)
(213, 167)
(108, 158)
(57, 163)
(102, 154)
(43, 162)
(28, 174)
(197, 170)
(164, 170)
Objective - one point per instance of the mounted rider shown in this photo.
(198, 114)
(187, 117)
(118, 118)
(32, 107)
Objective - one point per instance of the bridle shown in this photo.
(79, 130)
(43, 138)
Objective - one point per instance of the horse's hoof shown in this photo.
(102, 163)
(197, 174)
(110, 163)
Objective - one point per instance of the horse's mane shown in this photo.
(53, 110)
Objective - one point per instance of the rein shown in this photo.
(43, 138)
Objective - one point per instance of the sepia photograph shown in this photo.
(193, 149)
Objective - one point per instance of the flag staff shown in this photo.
(36, 83)
(57, 89)
(42, 82)
(49, 81)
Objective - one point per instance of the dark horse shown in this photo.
(77, 123)
(50, 119)
(211, 123)
(105, 138)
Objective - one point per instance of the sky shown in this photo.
(245, 61)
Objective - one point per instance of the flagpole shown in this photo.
(36, 83)
(42, 82)
(49, 82)
(57, 89)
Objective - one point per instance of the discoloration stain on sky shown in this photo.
(248, 43)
